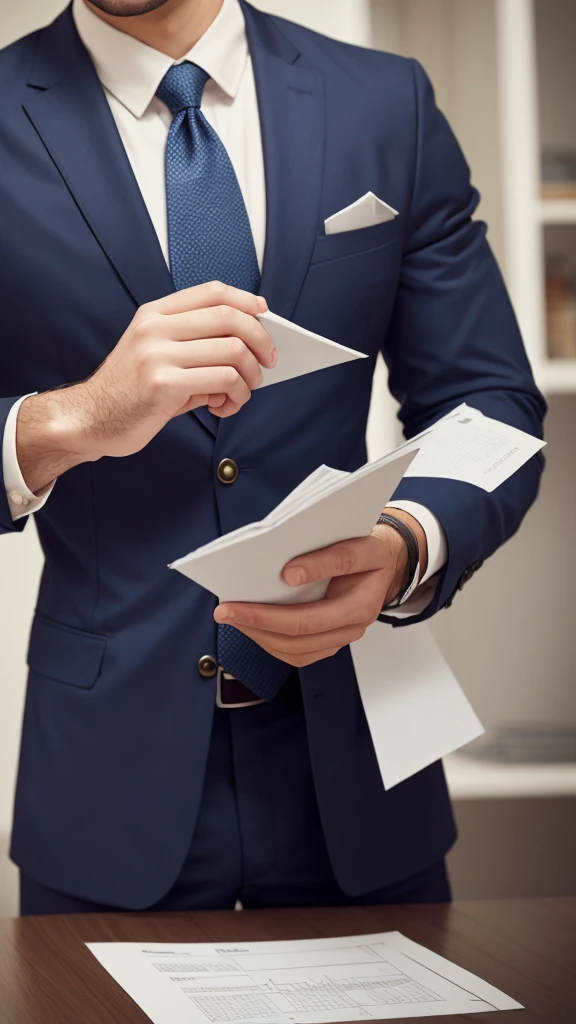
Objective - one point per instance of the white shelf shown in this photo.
(471, 779)
(557, 376)
(556, 211)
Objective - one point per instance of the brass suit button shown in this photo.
(227, 471)
(207, 666)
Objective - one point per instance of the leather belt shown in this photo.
(231, 693)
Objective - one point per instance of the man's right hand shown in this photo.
(199, 346)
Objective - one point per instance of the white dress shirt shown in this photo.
(130, 73)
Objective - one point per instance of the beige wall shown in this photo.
(20, 562)
(16, 19)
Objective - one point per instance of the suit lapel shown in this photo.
(291, 105)
(292, 121)
(71, 115)
(69, 110)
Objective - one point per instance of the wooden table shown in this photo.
(527, 948)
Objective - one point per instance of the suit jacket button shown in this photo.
(207, 666)
(465, 577)
(227, 471)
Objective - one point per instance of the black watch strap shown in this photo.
(409, 537)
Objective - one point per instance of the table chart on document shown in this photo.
(257, 1001)
(309, 982)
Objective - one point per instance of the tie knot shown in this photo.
(182, 86)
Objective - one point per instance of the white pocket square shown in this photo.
(364, 213)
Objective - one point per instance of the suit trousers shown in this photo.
(258, 837)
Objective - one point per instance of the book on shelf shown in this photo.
(558, 173)
(558, 190)
(560, 307)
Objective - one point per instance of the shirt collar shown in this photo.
(132, 71)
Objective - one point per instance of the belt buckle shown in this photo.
(220, 703)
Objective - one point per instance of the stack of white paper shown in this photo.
(328, 506)
(331, 505)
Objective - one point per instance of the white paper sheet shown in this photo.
(315, 981)
(473, 448)
(364, 213)
(416, 710)
(300, 351)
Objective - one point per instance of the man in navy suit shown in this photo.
(166, 165)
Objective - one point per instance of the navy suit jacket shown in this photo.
(117, 720)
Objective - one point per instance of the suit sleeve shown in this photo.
(453, 338)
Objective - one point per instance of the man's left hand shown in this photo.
(365, 574)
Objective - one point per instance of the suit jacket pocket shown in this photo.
(65, 654)
(349, 243)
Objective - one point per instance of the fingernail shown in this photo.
(262, 304)
(215, 401)
(272, 358)
(295, 576)
(223, 613)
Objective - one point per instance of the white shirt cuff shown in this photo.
(21, 500)
(419, 597)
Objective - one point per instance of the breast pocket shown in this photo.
(351, 284)
(65, 654)
(351, 243)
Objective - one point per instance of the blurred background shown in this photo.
(505, 76)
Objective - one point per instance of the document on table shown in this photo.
(414, 706)
(314, 981)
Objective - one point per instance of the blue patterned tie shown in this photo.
(210, 240)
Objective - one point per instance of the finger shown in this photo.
(298, 620)
(214, 403)
(281, 644)
(201, 382)
(226, 408)
(216, 352)
(343, 559)
(218, 322)
(302, 660)
(213, 293)
(229, 408)
(217, 380)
